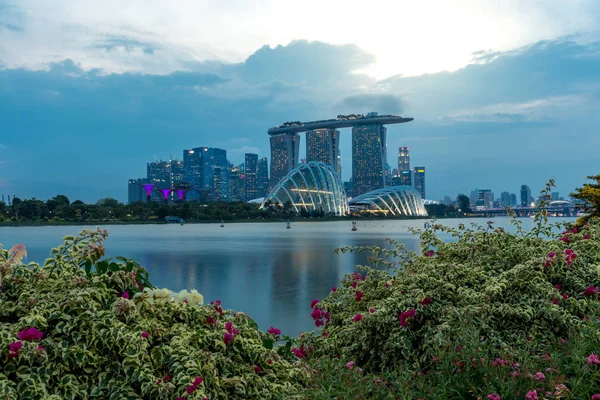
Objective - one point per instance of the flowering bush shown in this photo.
(441, 320)
(81, 327)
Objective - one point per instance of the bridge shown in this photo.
(342, 121)
(564, 210)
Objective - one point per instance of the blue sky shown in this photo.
(90, 93)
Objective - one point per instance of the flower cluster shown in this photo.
(593, 359)
(274, 331)
(192, 387)
(570, 256)
(152, 295)
(319, 315)
(405, 316)
(30, 334)
(230, 333)
(299, 352)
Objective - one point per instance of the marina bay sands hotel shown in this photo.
(369, 147)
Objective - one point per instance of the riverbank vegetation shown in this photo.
(491, 315)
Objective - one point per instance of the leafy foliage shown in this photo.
(589, 194)
(106, 333)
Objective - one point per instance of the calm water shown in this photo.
(263, 269)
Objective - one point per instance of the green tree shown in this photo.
(108, 202)
(463, 203)
(589, 196)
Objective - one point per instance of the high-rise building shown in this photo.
(419, 181)
(525, 196)
(236, 183)
(251, 176)
(284, 155)
(555, 196)
(473, 197)
(348, 188)
(135, 190)
(406, 177)
(262, 178)
(403, 159)
(505, 199)
(448, 201)
(322, 145)
(369, 158)
(158, 173)
(199, 166)
(485, 198)
(220, 184)
(177, 171)
(192, 167)
(513, 200)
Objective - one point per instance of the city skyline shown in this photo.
(106, 102)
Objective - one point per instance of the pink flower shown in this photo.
(589, 291)
(227, 338)
(429, 253)
(593, 359)
(586, 236)
(425, 301)
(144, 334)
(166, 378)
(564, 239)
(125, 295)
(551, 254)
(358, 295)
(350, 365)
(531, 395)
(30, 334)
(493, 396)
(515, 373)
(314, 303)
(41, 348)
(596, 396)
(15, 347)
(274, 331)
(404, 316)
(185, 301)
(555, 301)
(228, 326)
(357, 317)
(257, 369)
(371, 310)
(299, 352)
(198, 380)
(539, 376)
(333, 289)
(565, 296)
(210, 320)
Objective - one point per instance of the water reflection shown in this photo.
(262, 269)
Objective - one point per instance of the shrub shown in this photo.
(106, 333)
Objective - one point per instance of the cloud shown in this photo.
(125, 44)
(364, 103)
(3, 147)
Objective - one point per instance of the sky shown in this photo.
(503, 93)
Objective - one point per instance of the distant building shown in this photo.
(348, 188)
(513, 200)
(419, 181)
(262, 178)
(447, 201)
(177, 171)
(473, 197)
(220, 184)
(485, 198)
(135, 191)
(555, 196)
(251, 176)
(323, 145)
(505, 199)
(403, 159)
(237, 183)
(369, 158)
(397, 181)
(199, 166)
(525, 196)
(158, 173)
(406, 177)
(284, 155)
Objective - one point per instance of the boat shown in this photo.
(354, 228)
(222, 223)
(288, 224)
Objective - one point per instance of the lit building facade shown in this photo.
(262, 178)
(177, 171)
(403, 159)
(322, 145)
(199, 168)
(237, 183)
(393, 201)
(485, 198)
(369, 158)
(311, 188)
(158, 173)
(250, 176)
(406, 177)
(284, 155)
(419, 181)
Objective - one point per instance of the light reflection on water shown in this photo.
(263, 269)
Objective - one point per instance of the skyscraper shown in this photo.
(262, 178)
(251, 177)
(284, 155)
(236, 183)
(419, 181)
(525, 196)
(135, 191)
(403, 159)
(485, 198)
(159, 174)
(322, 145)
(200, 164)
(505, 199)
(369, 158)
(406, 177)
(192, 167)
(176, 172)
(513, 200)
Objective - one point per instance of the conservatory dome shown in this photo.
(395, 201)
(311, 187)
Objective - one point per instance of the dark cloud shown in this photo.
(364, 103)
